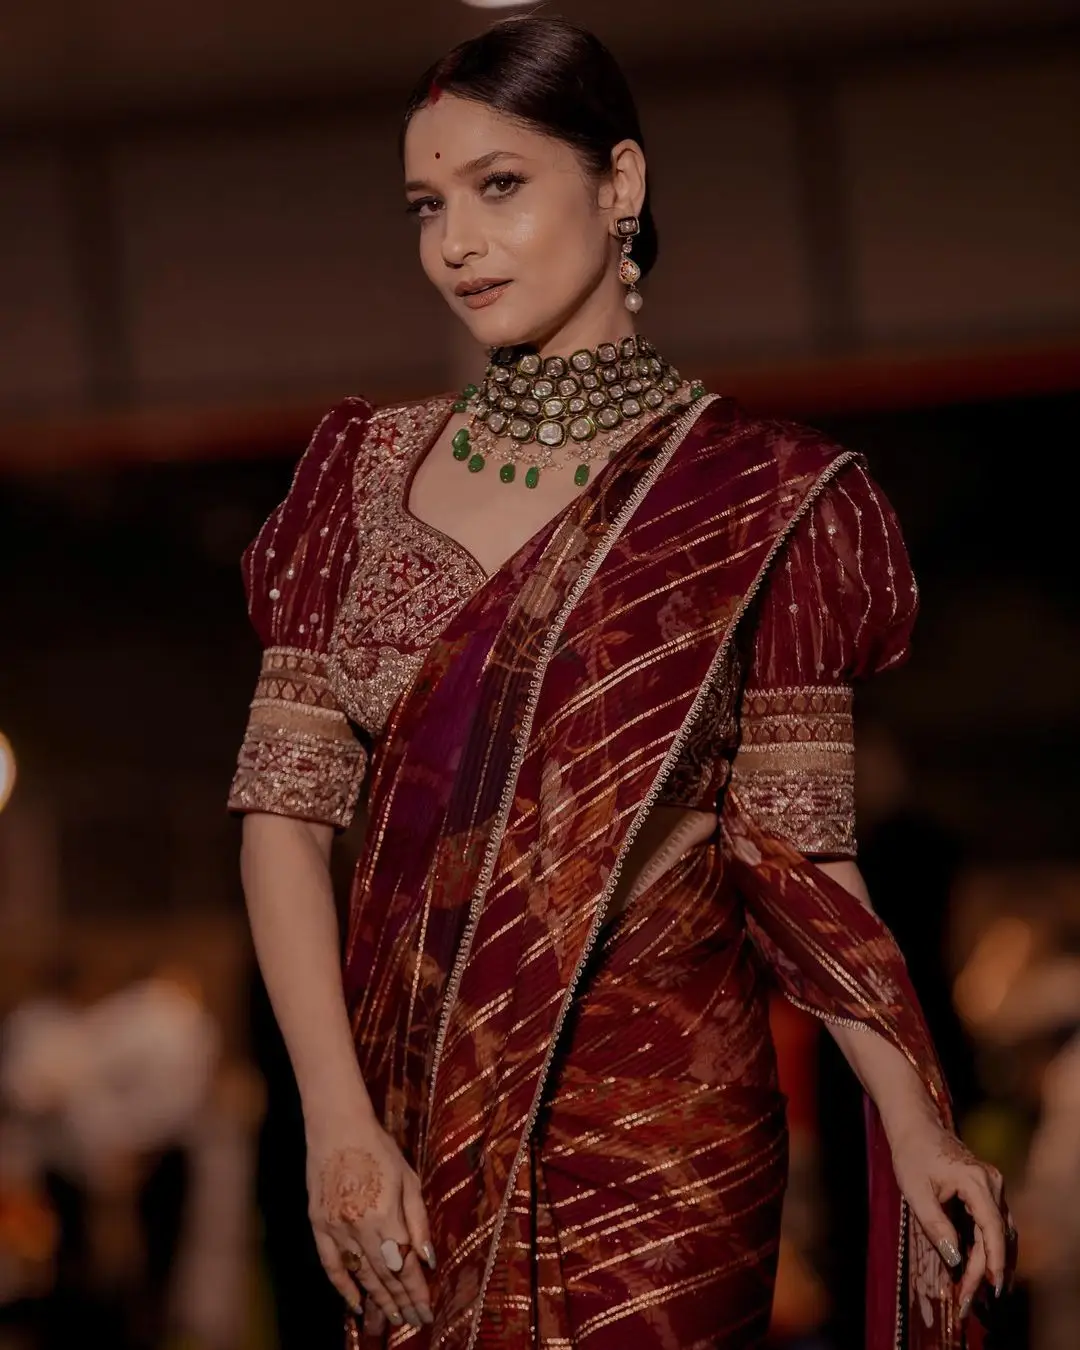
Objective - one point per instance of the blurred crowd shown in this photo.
(127, 1145)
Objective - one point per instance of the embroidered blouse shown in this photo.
(347, 591)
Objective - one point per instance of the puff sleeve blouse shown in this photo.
(839, 607)
(301, 756)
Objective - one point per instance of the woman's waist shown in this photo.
(671, 905)
(668, 836)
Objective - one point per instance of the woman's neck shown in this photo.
(602, 318)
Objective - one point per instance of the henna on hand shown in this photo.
(953, 1150)
(350, 1184)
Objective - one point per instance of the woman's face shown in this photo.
(513, 233)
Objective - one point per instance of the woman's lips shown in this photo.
(481, 299)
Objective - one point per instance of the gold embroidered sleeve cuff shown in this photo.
(300, 756)
(795, 768)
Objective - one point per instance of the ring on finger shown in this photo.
(394, 1253)
(359, 1267)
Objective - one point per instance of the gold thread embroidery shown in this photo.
(299, 756)
(410, 579)
(795, 766)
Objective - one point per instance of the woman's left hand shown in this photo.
(932, 1167)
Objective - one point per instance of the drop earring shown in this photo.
(626, 227)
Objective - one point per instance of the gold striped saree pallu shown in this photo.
(513, 778)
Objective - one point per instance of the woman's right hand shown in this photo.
(361, 1192)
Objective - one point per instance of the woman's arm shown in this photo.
(931, 1165)
(360, 1188)
(889, 1079)
(285, 868)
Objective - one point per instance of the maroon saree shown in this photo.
(591, 1102)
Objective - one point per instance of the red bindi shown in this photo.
(438, 154)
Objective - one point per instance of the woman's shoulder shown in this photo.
(794, 446)
(412, 417)
(355, 423)
(390, 439)
(844, 489)
(425, 405)
(348, 414)
(804, 464)
(314, 514)
(355, 413)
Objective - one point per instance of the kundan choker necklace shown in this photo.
(549, 412)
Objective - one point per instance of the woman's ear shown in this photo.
(623, 193)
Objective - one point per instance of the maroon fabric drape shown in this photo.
(511, 781)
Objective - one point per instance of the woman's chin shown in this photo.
(506, 329)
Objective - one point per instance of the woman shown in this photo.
(600, 687)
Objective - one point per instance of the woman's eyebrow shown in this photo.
(467, 169)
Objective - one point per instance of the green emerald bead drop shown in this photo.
(469, 391)
(581, 475)
(476, 463)
(507, 472)
(460, 405)
(460, 444)
(532, 477)
(697, 390)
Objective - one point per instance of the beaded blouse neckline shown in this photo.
(441, 408)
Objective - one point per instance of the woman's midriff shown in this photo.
(668, 834)
(674, 986)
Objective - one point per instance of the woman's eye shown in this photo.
(502, 184)
(424, 207)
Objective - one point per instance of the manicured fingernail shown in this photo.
(413, 1318)
(965, 1308)
(999, 1285)
(426, 1315)
(429, 1254)
(396, 1318)
(949, 1254)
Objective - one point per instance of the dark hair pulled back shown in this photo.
(557, 79)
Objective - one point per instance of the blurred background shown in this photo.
(869, 214)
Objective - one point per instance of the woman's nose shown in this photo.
(462, 239)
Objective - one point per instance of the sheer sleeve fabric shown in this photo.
(300, 755)
(839, 607)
